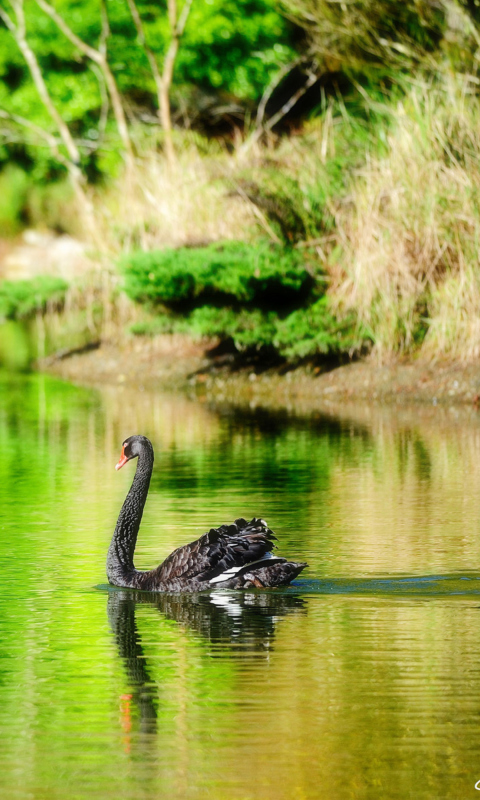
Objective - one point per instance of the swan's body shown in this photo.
(233, 556)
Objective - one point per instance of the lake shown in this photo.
(362, 680)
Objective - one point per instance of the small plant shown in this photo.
(22, 299)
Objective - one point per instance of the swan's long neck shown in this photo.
(120, 568)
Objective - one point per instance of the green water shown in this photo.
(361, 681)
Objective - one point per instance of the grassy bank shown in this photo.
(384, 212)
(358, 234)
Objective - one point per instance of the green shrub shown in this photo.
(258, 296)
(304, 333)
(249, 328)
(228, 273)
(21, 299)
(316, 330)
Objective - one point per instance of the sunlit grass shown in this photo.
(409, 232)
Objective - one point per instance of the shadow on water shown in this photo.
(240, 622)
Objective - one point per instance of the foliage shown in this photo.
(248, 328)
(232, 48)
(21, 299)
(223, 273)
(305, 333)
(377, 197)
(255, 295)
(316, 329)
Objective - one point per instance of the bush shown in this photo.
(304, 333)
(316, 330)
(264, 297)
(229, 273)
(21, 299)
(248, 328)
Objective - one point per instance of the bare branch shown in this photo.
(85, 48)
(7, 20)
(275, 119)
(183, 18)
(177, 28)
(312, 78)
(105, 33)
(172, 14)
(102, 122)
(71, 163)
(278, 78)
(18, 31)
(163, 81)
(99, 58)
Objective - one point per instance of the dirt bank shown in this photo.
(177, 363)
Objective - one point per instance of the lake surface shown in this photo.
(360, 681)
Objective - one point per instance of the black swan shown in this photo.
(234, 556)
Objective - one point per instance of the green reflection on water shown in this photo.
(361, 681)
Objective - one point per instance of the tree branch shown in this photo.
(7, 20)
(183, 18)
(272, 86)
(312, 78)
(71, 163)
(275, 119)
(49, 138)
(18, 31)
(102, 122)
(99, 58)
(148, 51)
(163, 81)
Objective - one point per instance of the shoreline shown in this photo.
(177, 363)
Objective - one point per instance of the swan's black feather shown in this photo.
(217, 550)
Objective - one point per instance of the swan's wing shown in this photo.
(216, 551)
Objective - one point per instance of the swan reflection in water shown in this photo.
(240, 623)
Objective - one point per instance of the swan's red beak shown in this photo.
(123, 460)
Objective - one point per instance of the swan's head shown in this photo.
(133, 447)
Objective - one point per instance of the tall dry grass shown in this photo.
(410, 229)
(190, 202)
